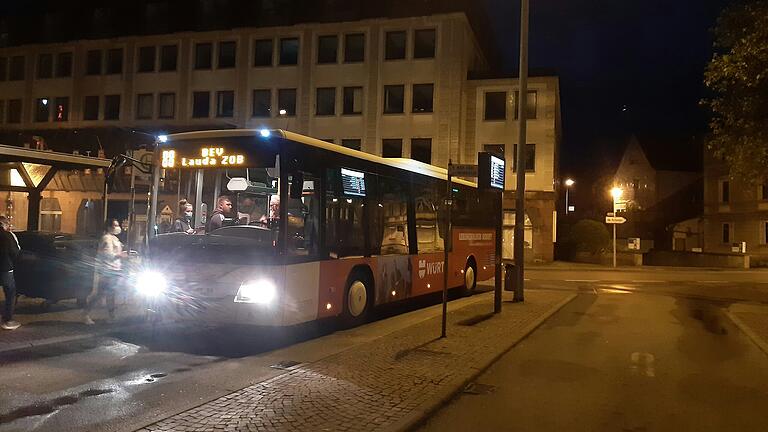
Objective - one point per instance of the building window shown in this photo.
(166, 105)
(147, 59)
(424, 43)
(354, 48)
(392, 147)
(61, 113)
(64, 65)
(286, 100)
(17, 68)
(326, 101)
(262, 103)
(530, 158)
(201, 104)
(394, 45)
(3, 68)
(14, 111)
(2, 111)
(353, 100)
(327, 49)
(42, 110)
(227, 55)
(115, 61)
(763, 192)
(262, 52)
(495, 106)
(394, 98)
(764, 235)
(289, 51)
(93, 62)
(91, 108)
(497, 149)
(421, 149)
(44, 66)
(352, 143)
(225, 103)
(169, 55)
(725, 191)
(531, 107)
(422, 98)
(112, 107)
(144, 104)
(727, 233)
(203, 54)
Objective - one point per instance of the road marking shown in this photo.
(648, 281)
(711, 281)
(582, 280)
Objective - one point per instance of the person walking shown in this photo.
(108, 266)
(9, 251)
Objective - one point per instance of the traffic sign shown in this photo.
(462, 170)
(615, 219)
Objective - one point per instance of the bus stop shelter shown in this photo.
(31, 171)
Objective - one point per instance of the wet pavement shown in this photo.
(618, 359)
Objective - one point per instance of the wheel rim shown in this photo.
(357, 298)
(469, 278)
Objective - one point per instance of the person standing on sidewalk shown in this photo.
(9, 251)
(108, 266)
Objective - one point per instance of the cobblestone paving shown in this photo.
(375, 385)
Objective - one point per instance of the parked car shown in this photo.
(55, 266)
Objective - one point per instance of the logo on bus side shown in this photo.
(426, 268)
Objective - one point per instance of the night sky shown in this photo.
(646, 55)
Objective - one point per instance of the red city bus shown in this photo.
(317, 230)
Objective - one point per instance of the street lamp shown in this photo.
(568, 184)
(616, 193)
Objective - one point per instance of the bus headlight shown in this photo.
(261, 291)
(151, 283)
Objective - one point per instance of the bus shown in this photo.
(316, 230)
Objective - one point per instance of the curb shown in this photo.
(420, 414)
(760, 342)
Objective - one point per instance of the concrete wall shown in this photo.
(693, 259)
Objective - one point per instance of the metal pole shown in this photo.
(566, 200)
(446, 248)
(152, 207)
(131, 208)
(614, 245)
(522, 102)
(498, 197)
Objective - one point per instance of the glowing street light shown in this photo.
(616, 193)
(568, 184)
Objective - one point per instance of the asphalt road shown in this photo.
(626, 356)
(123, 381)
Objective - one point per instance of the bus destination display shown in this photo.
(353, 182)
(497, 172)
(205, 158)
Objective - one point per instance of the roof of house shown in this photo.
(669, 153)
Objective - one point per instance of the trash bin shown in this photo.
(509, 277)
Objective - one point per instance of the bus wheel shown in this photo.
(357, 299)
(470, 278)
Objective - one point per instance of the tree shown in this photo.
(587, 235)
(737, 77)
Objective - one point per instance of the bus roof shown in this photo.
(401, 163)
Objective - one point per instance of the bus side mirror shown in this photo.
(297, 186)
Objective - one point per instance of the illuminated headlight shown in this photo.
(261, 292)
(150, 283)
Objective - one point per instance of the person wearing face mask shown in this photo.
(108, 265)
(183, 222)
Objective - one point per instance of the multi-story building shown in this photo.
(401, 80)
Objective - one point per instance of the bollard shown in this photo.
(509, 277)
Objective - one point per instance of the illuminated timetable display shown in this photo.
(207, 157)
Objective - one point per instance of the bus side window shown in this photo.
(429, 232)
(344, 233)
(389, 224)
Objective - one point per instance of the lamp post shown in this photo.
(568, 184)
(616, 193)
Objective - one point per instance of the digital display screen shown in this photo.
(497, 172)
(205, 157)
(353, 182)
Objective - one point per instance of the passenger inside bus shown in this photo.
(223, 212)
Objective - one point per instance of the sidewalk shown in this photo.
(63, 322)
(752, 319)
(390, 383)
(574, 266)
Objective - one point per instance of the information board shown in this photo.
(497, 172)
(490, 171)
(353, 182)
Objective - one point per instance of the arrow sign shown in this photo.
(615, 219)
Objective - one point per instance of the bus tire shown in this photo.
(358, 298)
(470, 278)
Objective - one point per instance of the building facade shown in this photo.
(395, 87)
